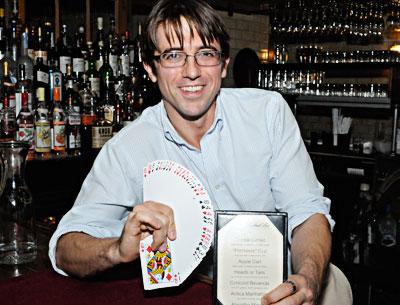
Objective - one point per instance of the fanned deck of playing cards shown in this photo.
(170, 183)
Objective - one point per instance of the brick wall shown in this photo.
(246, 31)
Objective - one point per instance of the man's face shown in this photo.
(190, 90)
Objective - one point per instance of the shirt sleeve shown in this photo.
(103, 203)
(295, 187)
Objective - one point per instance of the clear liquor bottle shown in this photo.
(93, 75)
(24, 59)
(124, 58)
(78, 61)
(64, 51)
(73, 127)
(25, 123)
(8, 119)
(24, 85)
(42, 125)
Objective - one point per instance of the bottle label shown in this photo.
(25, 133)
(125, 65)
(100, 135)
(42, 137)
(95, 85)
(74, 120)
(88, 119)
(42, 77)
(113, 61)
(78, 65)
(31, 54)
(109, 113)
(64, 61)
(74, 138)
(59, 135)
(99, 63)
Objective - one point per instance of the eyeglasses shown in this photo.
(174, 59)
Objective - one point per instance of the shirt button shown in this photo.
(218, 186)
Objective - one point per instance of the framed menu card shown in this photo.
(250, 256)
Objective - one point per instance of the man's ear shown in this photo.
(150, 72)
(225, 67)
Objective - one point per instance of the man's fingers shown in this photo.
(158, 220)
(282, 291)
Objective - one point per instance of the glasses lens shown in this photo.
(173, 59)
(208, 58)
(178, 59)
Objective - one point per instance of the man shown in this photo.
(243, 144)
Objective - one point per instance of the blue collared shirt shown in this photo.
(251, 158)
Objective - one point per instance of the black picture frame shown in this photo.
(223, 217)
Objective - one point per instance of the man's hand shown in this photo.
(83, 255)
(296, 290)
(311, 248)
(145, 219)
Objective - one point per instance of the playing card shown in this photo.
(172, 184)
(157, 267)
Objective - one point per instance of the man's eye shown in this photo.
(172, 56)
(209, 53)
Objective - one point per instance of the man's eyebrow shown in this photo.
(181, 48)
(172, 49)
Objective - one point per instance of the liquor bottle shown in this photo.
(52, 54)
(57, 124)
(128, 114)
(8, 127)
(124, 58)
(99, 43)
(41, 50)
(93, 74)
(73, 127)
(8, 85)
(78, 61)
(137, 69)
(118, 115)
(41, 78)
(24, 86)
(102, 130)
(71, 88)
(63, 51)
(25, 122)
(55, 79)
(2, 45)
(32, 44)
(107, 90)
(387, 226)
(24, 59)
(113, 47)
(2, 19)
(88, 118)
(42, 125)
(9, 59)
(14, 43)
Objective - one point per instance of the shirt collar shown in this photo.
(171, 134)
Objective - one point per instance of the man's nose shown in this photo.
(191, 69)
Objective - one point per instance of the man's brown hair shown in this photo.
(201, 17)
